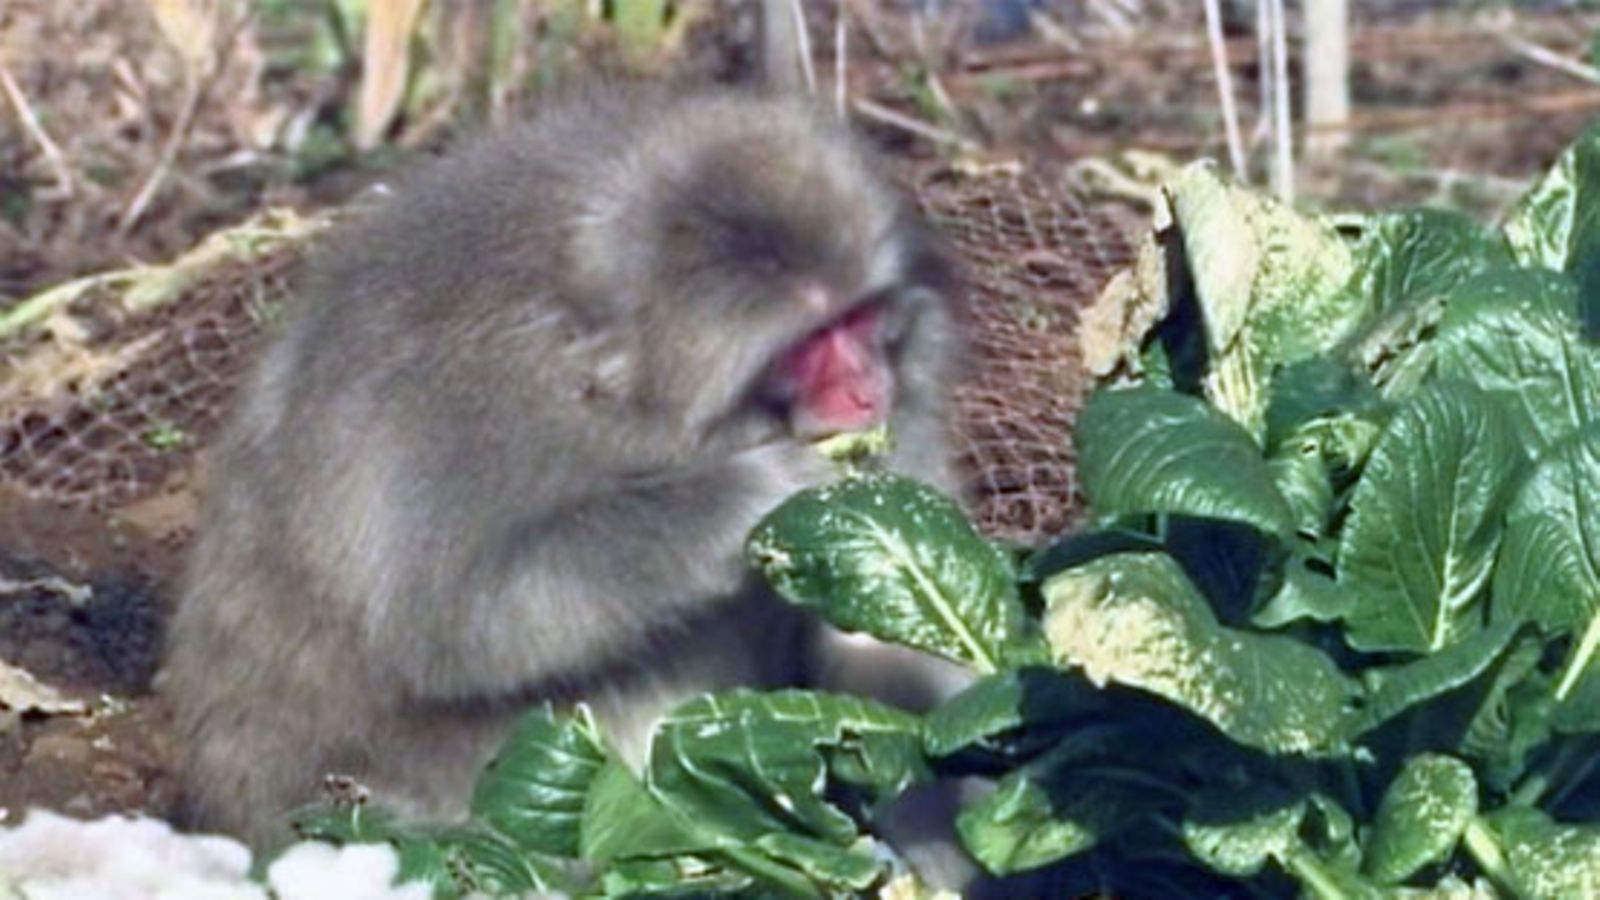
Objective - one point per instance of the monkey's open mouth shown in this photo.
(836, 378)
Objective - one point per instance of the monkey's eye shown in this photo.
(754, 246)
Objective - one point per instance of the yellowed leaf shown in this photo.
(190, 26)
(21, 692)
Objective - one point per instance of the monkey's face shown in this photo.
(786, 282)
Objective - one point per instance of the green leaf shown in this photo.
(1421, 817)
(1578, 712)
(1395, 348)
(822, 862)
(1549, 566)
(1061, 804)
(454, 861)
(742, 765)
(1518, 333)
(485, 863)
(1425, 521)
(1026, 823)
(1308, 591)
(895, 559)
(1512, 717)
(1237, 832)
(690, 877)
(1268, 283)
(1330, 833)
(1541, 857)
(1319, 388)
(1555, 223)
(1302, 479)
(533, 790)
(1033, 700)
(622, 819)
(1135, 619)
(1077, 549)
(1393, 690)
(1418, 253)
(1150, 451)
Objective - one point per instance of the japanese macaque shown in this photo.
(509, 447)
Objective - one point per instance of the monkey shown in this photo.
(509, 445)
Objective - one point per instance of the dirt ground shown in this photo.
(141, 166)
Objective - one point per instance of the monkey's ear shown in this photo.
(785, 48)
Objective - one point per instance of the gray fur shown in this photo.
(505, 451)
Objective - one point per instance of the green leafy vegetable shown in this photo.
(1425, 521)
(533, 791)
(1267, 279)
(1517, 333)
(1406, 256)
(1237, 832)
(897, 560)
(1146, 451)
(1539, 857)
(1423, 814)
(1135, 619)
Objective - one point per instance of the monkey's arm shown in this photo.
(581, 585)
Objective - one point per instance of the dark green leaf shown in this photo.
(1395, 349)
(1307, 591)
(1227, 561)
(623, 819)
(1549, 567)
(1579, 711)
(487, 864)
(1237, 832)
(1393, 690)
(1077, 549)
(684, 876)
(1320, 387)
(1510, 721)
(742, 765)
(1050, 811)
(895, 559)
(533, 790)
(1143, 451)
(1418, 253)
(1425, 521)
(823, 862)
(1035, 699)
(1517, 333)
(1302, 479)
(454, 861)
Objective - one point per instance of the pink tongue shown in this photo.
(844, 395)
(839, 386)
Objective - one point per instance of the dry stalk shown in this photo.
(65, 181)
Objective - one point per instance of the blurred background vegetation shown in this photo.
(131, 128)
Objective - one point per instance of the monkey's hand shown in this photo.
(591, 579)
(783, 468)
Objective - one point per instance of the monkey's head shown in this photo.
(772, 270)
